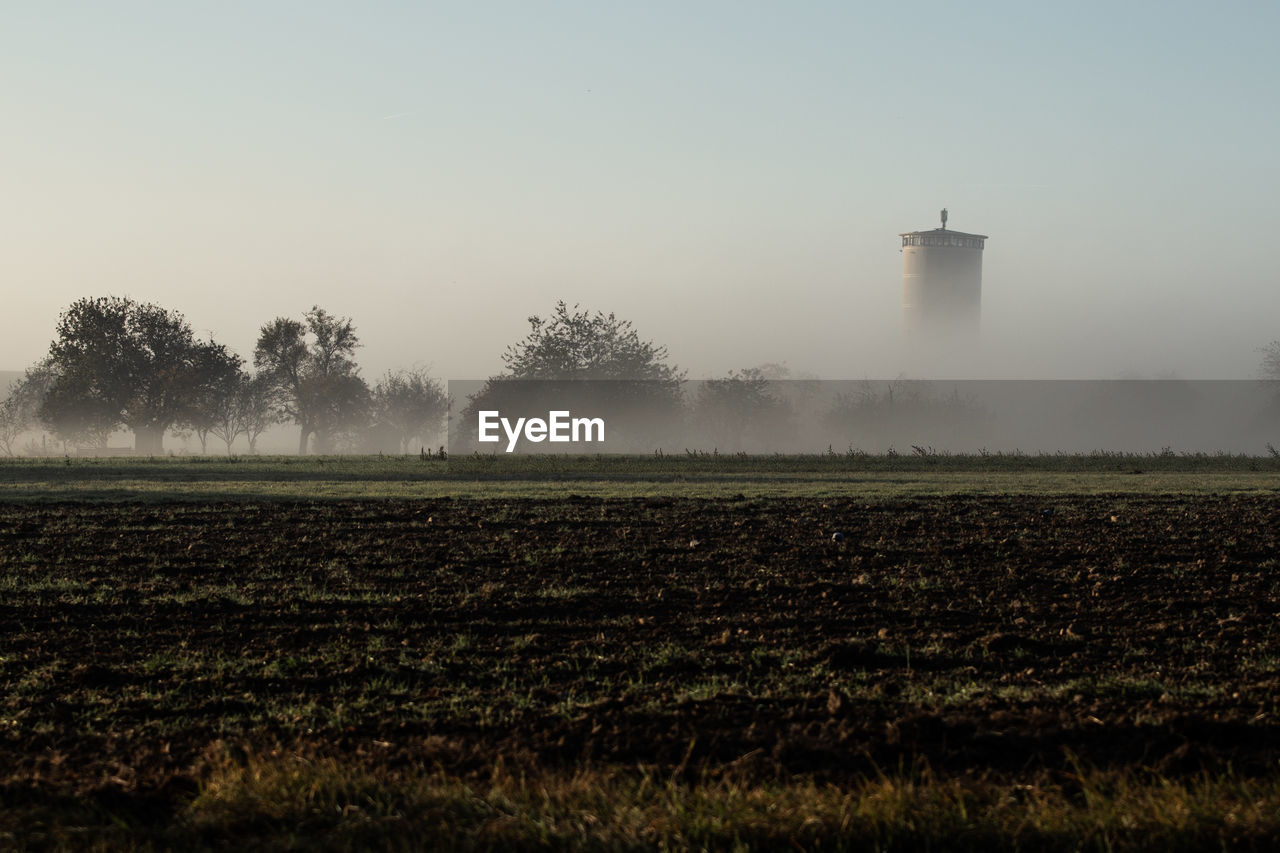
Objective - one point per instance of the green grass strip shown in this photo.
(872, 477)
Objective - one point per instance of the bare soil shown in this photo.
(1012, 635)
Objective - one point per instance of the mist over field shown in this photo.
(852, 418)
(732, 179)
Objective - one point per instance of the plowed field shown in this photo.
(1017, 635)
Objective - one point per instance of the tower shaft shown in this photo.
(942, 282)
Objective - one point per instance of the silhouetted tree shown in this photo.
(222, 413)
(313, 378)
(581, 345)
(249, 411)
(257, 411)
(20, 410)
(12, 424)
(245, 408)
(581, 361)
(408, 405)
(742, 406)
(26, 401)
(217, 397)
(118, 363)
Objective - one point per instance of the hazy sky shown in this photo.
(731, 176)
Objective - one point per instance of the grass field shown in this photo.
(289, 477)
(997, 653)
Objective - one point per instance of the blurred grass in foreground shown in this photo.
(280, 800)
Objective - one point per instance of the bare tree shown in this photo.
(215, 400)
(257, 413)
(12, 425)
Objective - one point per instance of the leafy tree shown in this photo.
(344, 415)
(741, 406)
(408, 405)
(118, 363)
(580, 345)
(313, 378)
(593, 363)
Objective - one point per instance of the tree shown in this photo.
(243, 408)
(249, 411)
(12, 424)
(221, 414)
(741, 406)
(594, 363)
(581, 345)
(216, 399)
(20, 410)
(408, 405)
(257, 412)
(118, 363)
(313, 381)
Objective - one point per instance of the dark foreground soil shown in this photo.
(1010, 635)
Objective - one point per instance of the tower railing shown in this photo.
(964, 241)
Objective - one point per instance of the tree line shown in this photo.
(116, 364)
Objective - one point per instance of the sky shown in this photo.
(731, 177)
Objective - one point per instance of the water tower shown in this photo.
(942, 282)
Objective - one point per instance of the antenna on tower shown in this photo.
(944, 219)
